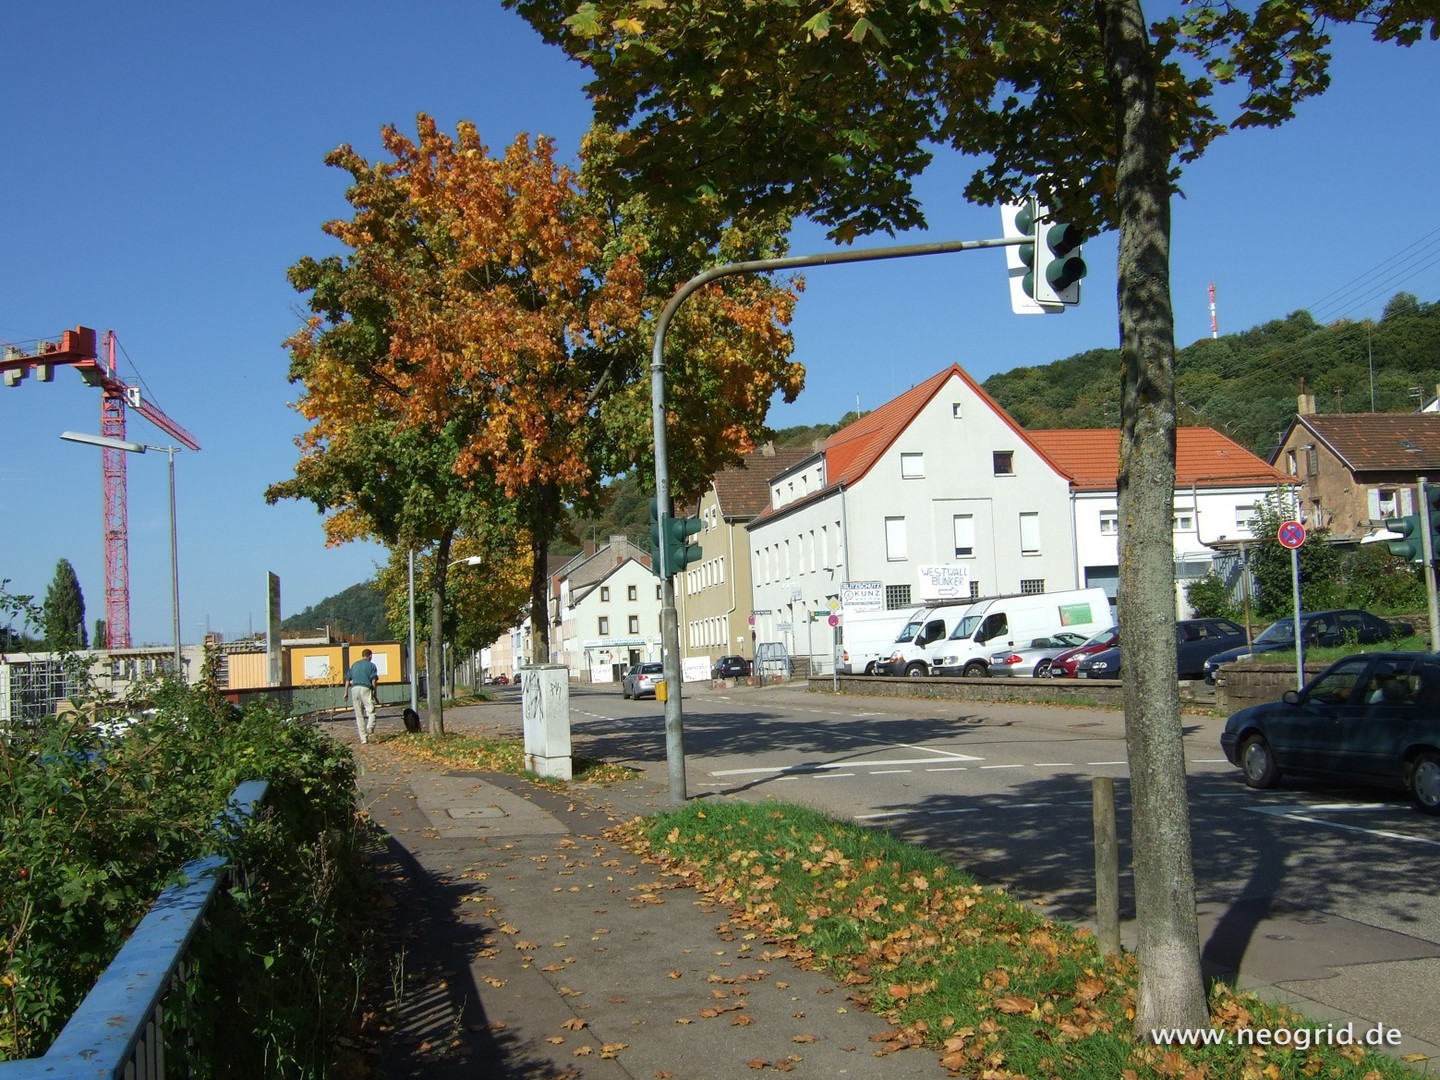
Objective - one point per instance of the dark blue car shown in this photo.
(1339, 627)
(1367, 719)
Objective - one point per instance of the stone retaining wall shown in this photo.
(1105, 693)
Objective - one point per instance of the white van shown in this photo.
(867, 637)
(908, 652)
(991, 625)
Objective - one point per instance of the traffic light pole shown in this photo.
(669, 620)
(1427, 549)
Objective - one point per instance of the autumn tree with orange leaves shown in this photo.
(480, 356)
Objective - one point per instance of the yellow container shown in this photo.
(661, 694)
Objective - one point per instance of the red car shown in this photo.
(1063, 666)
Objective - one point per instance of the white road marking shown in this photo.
(1053, 764)
(961, 810)
(1209, 761)
(1002, 766)
(1107, 763)
(876, 817)
(1296, 813)
(837, 765)
(888, 772)
(948, 768)
(831, 776)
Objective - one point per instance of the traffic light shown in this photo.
(1432, 496)
(679, 552)
(1410, 548)
(655, 537)
(1050, 256)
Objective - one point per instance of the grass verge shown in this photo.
(993, 986)
(504, 754)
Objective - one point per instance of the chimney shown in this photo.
(768, 450)
(589, 548)
(1305, 403)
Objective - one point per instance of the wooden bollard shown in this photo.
(1107, 865)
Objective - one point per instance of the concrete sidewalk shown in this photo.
(526, 945)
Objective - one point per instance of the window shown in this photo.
(1245, 516)
(1032, 586)
(1109, 522)
(658, 594)
(1291, 466)
(634, 624)
(974, 588)
(604, 594)
(956, 410)
(964, 525)
(1030, 534)
(604, 626)
(630, 592)
(895, 547)
(912, 466)
(1312, 461)
(1004, 462)
(1183, 521)
(897, 596)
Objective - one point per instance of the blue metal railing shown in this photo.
(118, 1029)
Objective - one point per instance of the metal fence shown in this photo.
(118, 1030)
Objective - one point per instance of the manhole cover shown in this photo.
(476, 811)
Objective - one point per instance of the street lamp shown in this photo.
(473, 560)
(140, 448)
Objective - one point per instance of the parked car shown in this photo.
(501, 680)
(1063, 666)
(1034, 660)
(642, 679)
(730, 667)
(1367, 719)
(1318, 628)
(1195, 641)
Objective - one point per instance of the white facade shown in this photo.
(958, 486)
(615, 620)
(1201, 517)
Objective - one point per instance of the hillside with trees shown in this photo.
(1245, 384)
(358, 613)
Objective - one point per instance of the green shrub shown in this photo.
(97, 816)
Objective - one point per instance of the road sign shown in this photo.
(752, 620)
(1291, 534)
(834, 620)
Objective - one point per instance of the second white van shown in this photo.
(991, 625)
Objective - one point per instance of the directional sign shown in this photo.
(1291, 534)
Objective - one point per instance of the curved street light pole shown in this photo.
(669, 620)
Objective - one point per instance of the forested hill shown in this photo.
(1245, 384)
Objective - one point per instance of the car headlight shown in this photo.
(1099, 665)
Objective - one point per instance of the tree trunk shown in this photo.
(1171, 990)
(435, 651)
(542, 528)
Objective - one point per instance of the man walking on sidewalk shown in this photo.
(361, 681)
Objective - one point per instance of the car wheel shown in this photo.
(624, 691)
(870, 668)
(1042, 669)
(976, 669)
(1258, 763)
(915, 671)
(1425, 782)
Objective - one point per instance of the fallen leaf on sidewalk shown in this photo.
(758, 1063)
(610, 1050)
(555, 1039)
(584, 1051)
(803, 1039)
(497, 983)
(573, 1024)
(675, 974)
(553, 967)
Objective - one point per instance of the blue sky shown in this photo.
(165, 169)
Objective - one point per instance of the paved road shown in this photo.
(1314, 893)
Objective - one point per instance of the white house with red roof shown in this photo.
(1218, 485)
(939, 494)
(940, 477)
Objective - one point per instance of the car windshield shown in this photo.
(1277, 633)
(911, 629)
(967, 627)
(1104, 636)
(1068, 640)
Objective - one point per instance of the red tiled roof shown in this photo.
(744, 491)
(1203, 457)
(851, 451)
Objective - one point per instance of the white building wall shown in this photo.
(585, 644)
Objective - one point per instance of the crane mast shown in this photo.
(77, 349)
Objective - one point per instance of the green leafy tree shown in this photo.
(832, 109)
(63, 613)
(1322, 583)
(1209, 598)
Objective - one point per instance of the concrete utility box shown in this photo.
(545, 708)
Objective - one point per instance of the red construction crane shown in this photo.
(76, 349)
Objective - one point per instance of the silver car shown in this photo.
(1033, 661)
(642, 679)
